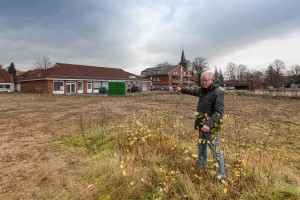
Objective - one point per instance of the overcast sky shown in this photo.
(134, 35)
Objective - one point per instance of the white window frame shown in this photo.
(62, 87)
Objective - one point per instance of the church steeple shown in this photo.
(183, 61)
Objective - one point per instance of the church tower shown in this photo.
(183, 61)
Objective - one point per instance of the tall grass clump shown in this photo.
(153, 155)
(145, 148)
(252, 163)
(92, 134)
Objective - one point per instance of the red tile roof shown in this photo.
(19, 73)
(30, 73)
(5, 77)
(73, 71)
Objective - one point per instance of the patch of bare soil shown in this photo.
(33, 166)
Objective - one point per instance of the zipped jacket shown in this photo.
(210, 105)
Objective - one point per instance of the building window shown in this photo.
(58, 86)
(80, 85)
(89, 85)
(157, 79)
(97, 85)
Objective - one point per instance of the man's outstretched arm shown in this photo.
(196, 91)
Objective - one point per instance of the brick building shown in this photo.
(6, 81)
(76, 79)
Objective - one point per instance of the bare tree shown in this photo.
(290, 72)
(275, 74)
(1, 66)
(270, 74)
(295, 70)
(164, 64)
(254, 73)
(199, 66)
(248, 75)
(231, 71)
(293, 75)
(241, 72)
(258, 74)
(189, 65)
(42, 63)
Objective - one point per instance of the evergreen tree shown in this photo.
(216, 73)
(221, 77)
(12, 70)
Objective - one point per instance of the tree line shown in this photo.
(276, 74)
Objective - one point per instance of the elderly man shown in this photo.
(210, 110)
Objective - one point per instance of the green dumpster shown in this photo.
(116, 88)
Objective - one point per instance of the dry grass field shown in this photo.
(143, 146)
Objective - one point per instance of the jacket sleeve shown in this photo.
(196, 91)
(218, 110)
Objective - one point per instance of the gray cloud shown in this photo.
(137, 34)
(216, 27)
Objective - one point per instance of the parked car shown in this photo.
(3, 89)
(222, 88)
(230, 88)
(156, 88)
(165, 88)
(103, 90)
(153, 88)
(134, 89)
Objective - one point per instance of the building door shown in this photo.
(89, 87)
(144, 87)
(71, 89)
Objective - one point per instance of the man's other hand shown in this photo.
(205, 129)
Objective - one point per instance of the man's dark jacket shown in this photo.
(210, 104)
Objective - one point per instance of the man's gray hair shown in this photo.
(209, 74)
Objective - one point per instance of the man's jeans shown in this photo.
(214, 146)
